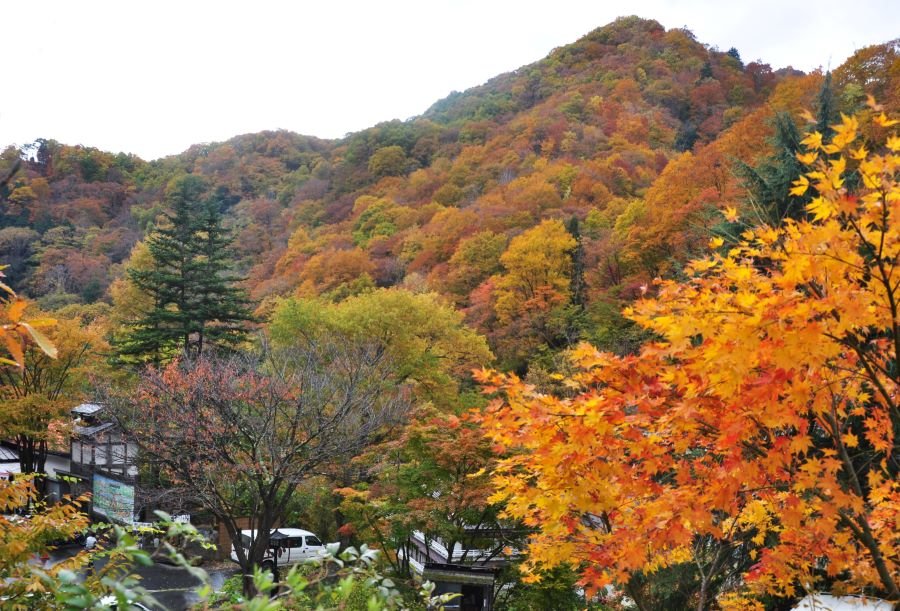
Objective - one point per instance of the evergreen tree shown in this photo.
(223, 310)
(576, 311)
(195, 300)
(577, 284)
(769, 183)
(826, 109)
(686, 137)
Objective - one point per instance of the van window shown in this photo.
(293, 542)
(246, 541)
(313, 541)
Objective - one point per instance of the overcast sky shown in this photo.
(154, 77)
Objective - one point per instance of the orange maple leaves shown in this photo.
(763, 420)
(16, 332)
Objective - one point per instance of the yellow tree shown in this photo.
(532, 296)
(536, 262)
(762, 423)
(44, 388)
(20, 540)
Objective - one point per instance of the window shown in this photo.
(293, 542)
(313, 541)
(246, 541)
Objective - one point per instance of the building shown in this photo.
(102, 461)
(470, 569)
(56, 464)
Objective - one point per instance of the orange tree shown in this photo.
(761, 423)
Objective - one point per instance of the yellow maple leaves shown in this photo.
(800, 185)
(844, 133)
(769, 393)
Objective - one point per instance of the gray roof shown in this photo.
(87, 409)
(8, 454)
(90, 431)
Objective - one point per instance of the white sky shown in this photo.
(154, 77)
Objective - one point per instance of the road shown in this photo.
(173, 587)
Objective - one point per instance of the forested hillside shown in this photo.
(623, 317)
(633, 131)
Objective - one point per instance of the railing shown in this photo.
(115, 470)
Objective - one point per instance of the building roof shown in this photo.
(457, 573)
(86, 409)
(8, 454)
(842, 603)
(90, 431)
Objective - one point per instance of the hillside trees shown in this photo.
(764, 420)
(190, 284)
(533, 292)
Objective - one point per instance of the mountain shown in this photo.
(634, 131)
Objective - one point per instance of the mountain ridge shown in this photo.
(632, 130)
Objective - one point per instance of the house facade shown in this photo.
(103, 462)
(469, 567)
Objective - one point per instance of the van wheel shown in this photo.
(269, 566)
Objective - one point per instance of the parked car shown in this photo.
(286, 546)
(111, 602)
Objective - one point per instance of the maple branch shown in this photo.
(845, 456)
(885, 279)
(863, 533)
(874, 378)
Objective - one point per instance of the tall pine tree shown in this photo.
(196, 302)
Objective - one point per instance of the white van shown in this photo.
(294, 545)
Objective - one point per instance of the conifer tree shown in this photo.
(826, 108)
(195, 300)
(577, 284)
(768, 183)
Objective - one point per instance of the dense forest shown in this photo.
(572, 200)
(598, 132)
(635, 134)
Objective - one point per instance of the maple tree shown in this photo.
(762, 421)
(431, 478)
(25, 584)
(21, 539)
(237, 434)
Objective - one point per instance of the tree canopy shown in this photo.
(762, 423)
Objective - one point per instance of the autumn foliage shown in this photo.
(758, 431)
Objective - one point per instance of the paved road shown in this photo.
(173, 587)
